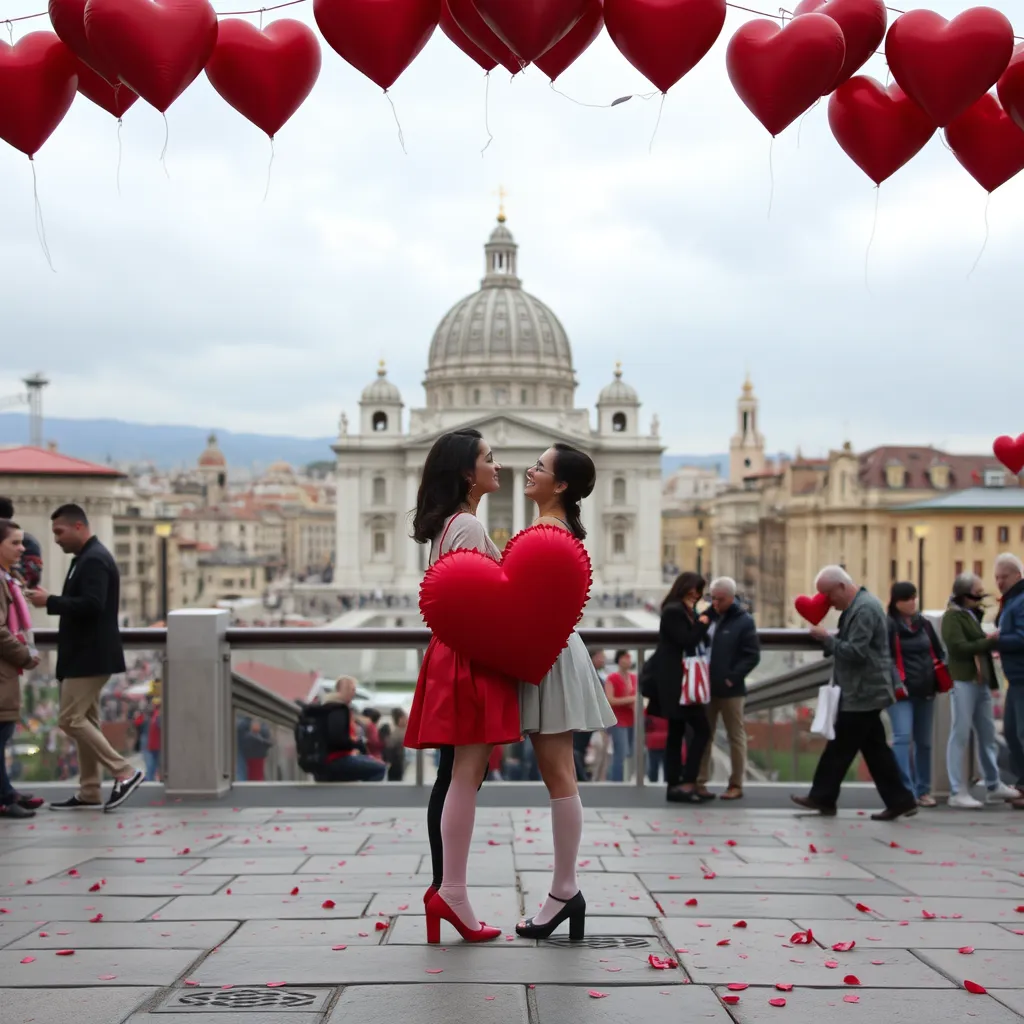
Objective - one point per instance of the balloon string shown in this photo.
(401, 135)
(40, 226)
(871, 238)
(117, 177)
(800, 126)
(606, 106)
(657, 124)
(270, 165)
(984, 244)
(771, 177)
(163, 152)
(487, 113)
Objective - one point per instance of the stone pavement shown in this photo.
(185, 914)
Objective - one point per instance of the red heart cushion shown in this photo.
(1010, 452)
(813, 609)
(514, 616)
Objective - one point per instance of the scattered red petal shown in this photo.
(812, 848)
(802, 938)
(710, 875)
(29, 960)
(738, 986)
(843, 947)
(740, 924)
(404, 906)
(975, 988)
(594, 994)
(190, 982)
(691, 902)
(730, 1000)
(915, 853)
(730, 842)
(1020, 910)
(784, 986)
(722, 942)
(966, 950)
(294, 892)
(851, 979)
(275, 984)
(65, 952)
(336, 948)
(864, 908)
(894, 846)
(73, 873)
(381, 926)
(777, 1002)
(878, 963)
(851, 999)
(95, 887)
(107, 977)
(832, 964)
(328, 904)
(927, 915)
(662, 963)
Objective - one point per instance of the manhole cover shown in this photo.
(207, 1000)
(602, 942)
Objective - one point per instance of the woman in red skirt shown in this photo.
(460, 708)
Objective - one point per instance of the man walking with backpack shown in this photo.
(329, 743)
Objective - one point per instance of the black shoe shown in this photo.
(892, 813)
(124, 789)
(30, 802)
(15, 810)
(812, 805)
(678, 795)
(74, 804)
(576, 912)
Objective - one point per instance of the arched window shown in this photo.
(380, 491)
(619, 422)
(380, 421)
(618, 491)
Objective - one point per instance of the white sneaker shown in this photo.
(965, 802)
(1001, 793)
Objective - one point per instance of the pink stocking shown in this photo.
(567, 829)
(457, 820)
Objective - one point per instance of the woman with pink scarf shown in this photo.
(15, 656)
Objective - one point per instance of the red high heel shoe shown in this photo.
(438, 911)
(429, 895)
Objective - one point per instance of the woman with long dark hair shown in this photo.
(569, 699)
(680, 633)
(460, 708)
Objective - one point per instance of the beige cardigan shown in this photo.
(14, 655)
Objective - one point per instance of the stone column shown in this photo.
(481, 514)
(412, 549)
(518, 501)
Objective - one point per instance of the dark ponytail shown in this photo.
(444, 486)
(576, 470)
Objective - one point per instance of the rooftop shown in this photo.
(28, 461)
(973, 499)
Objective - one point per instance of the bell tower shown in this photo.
(746, 449)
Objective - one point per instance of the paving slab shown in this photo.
(558, 1004)
(695, 884)
(665, 844)
(258, 908)
(674, 863)
(991, 968)
(608, 895)
(82, 1005)
(249, 866)
(329, 885)
(478, 1004)
(351, 931)
(396, 863)
(130, 885)
(132, 865)
(916, 934)
(1011, 998)
(120, 935)
(82, 908)
(739, 905)
(683, 932)
(12, 931)
(602, 932)
(95, 967)
(969, 909)
(814, 867)
(969, 887)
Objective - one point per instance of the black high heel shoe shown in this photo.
(574, 910)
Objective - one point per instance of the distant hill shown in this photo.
(168, 447)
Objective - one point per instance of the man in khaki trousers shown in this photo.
(89, 652)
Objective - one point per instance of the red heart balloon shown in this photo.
(380, 38)
(158, 46)
(37, 86)
(530, 27)
(531, 600)
(68, 20)
(574, 42)
(879, 129)
(265, 75)
(863, 23)
(987, 143)
(114, 99)
(1011, 87)
(664, 39)
(450, 27)
(1010, 452)
(780, 72)
(813, 609)
(476, 30)
(945, 66)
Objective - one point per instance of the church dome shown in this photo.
(618, 392)
(501, 333)
(212, 456)
(381, 391)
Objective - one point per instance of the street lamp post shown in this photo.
(920, 532)
(163, 531)
(700, 555)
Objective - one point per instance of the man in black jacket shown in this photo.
(89, 652)
(735, 653)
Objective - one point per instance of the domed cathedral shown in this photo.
(500, 361)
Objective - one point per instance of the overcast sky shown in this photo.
(190, 300)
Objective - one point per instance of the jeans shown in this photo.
(152, 759)
(912, 722)
(971, 706)
(354, 768)
(7, 793)
(241, 769)
(622, 747)
(655, 762)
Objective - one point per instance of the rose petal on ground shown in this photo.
(740, 924)
(328, 904)
(851, 979)
(843, 947)
(95, 887)
(29, 960)
(435, 970)
(812, 848)
(864, 908)
(851, 999)
(691, 902)
(275, 984)
(594, 994)
(777, 1002)
(294, 892)
(107, 977)
(927, 915)
(784, 986)
(722, 942)
(96, 919)
(730, 1000)
(975, 988)
(966, 950)
(877, 963)
(65, 952)
(737, 986)
(381, 926)
(832, 964)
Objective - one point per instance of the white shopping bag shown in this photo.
(824, 723)
(696, 688)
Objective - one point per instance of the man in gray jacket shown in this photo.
(862, 669)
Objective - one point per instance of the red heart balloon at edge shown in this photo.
(476, 30)
(68, 20)
(879, 129)
(1010, 452)
(265, 75)
(450, 27)
(943, 66)
(534, 598)
(863, 23)
(37, 87)
(530, 27)
(380, 38)
(158, 46)
(780, 72)
(987, 143)
(813, 609)
(114, 99)
(664, 39)
(1011, 87)
(574, 42)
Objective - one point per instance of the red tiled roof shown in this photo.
(26, 461)
(917, 461)
(284, 682)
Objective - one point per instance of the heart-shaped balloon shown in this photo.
(514, 616)
(157, 46)
(1010, 452)
(987, 143)
(114, 99)
(380, 38)
(945, 66)
(664, 39)
(477, 31)
(1011, 87)
(37, 87)
(450, 27)
(265, 75)
(68, 20)
(813, 609)
(880, 129)
(574, 42)
(781, 72)
(863, 23)
(530, 28)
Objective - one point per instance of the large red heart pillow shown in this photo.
(1010, 452)
(516, 615)
(813, 609)
(988, 143)
(863, 23)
